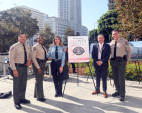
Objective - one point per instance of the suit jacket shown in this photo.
(104, 55)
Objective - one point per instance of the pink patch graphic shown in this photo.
(11, 48)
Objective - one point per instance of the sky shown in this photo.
(92, 10)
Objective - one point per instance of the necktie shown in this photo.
(25, 55)
(56, 52)
(115, 46)
(44, 52)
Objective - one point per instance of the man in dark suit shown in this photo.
(100, 55)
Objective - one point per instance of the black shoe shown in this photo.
(34, 96)
(60, 95)
(25, 101)
(122, 98)
(18, 106)
(56, 95)
(41, 99)
(74, 72)
(115, 94)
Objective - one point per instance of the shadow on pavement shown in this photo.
(38, 109)
(87, 106)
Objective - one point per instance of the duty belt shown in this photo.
(56, 60)
(39, 60)
(20, 65)
(119, 59)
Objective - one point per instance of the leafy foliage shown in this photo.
(48, 36)
(68, 32)
(12, 22)
(130, 17)
(132, 72)
(93, 36)
(107, 23)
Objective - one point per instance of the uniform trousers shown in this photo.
(38, 91)
(118, 73)
(19, 84)
(57, 76)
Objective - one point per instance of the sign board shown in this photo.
(78, 49)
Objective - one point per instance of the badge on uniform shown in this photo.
(34, 49)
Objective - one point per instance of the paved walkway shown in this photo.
(77, 99)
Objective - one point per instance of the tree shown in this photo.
(22, 20)
(7, 35)
(107, 23)
(68, 32)
(130, 16)
(13, 22)
(48, 36)
(93, 36)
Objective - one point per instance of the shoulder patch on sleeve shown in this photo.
(11, 48)
(127, 43)
(34, 49)
(50, 49)
(64, 49)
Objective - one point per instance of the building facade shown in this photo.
(71, 10)
(84, 31)
(57, 25)
(37, 15)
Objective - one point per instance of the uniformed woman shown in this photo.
(39, 58)
(58, 59)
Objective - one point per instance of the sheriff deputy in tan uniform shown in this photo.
(120, 54)
(20, 58)
(39, 59)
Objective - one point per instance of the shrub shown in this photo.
(132, 71)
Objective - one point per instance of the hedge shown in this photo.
(132, 70)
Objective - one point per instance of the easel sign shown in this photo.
(78, 49)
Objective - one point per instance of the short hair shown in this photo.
(39, 36)
(21, 34)
(101, 34)
(115, 30)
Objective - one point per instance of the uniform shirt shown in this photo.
(16, 54)
(61, 54)
(100, 50)
(122, 48)
(38, 52)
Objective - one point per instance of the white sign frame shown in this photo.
(78, 49)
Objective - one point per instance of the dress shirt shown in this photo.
(100, 50)
(61, 54)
